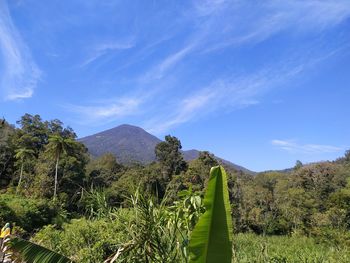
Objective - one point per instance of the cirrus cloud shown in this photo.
(21, 74)
(293, 147)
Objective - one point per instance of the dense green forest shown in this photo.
(89, 209)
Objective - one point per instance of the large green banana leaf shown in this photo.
(211, 239)
(33, 253)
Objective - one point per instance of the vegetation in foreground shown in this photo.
(82, 207)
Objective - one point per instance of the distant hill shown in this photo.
(133, 144)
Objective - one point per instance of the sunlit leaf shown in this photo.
(211, 239)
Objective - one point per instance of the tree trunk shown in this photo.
(55, 190)
(20, 178)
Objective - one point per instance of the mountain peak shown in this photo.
(127, 142)
(125, 125)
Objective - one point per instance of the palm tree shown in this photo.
(22, 154)
(56, 146)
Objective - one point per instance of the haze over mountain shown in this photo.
(133, 144)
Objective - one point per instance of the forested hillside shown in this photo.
(55, 194)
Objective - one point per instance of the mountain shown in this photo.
(129, 143)
(133, 144)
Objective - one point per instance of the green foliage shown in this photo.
(151, 233)
(94, 204)
(33, 145)
(29, 214)
(145, 232)
(170, 158)
(29, 252)
(56, 147)
(310, 200)
(70, 172)
(83, 240)
(198, 172)
(148, 179)
(187, 211)
(300, 200)
(7, 159)
(6, 214)
(22, 154)
(336, 238)
(103, 171)
(211, 239)
(129, 181)
(286, 249)
(33, 133)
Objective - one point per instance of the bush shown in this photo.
(29, 214)
(6, 214)
(83, 240)
(331, 237)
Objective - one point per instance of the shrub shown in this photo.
(29, 214)
(83, 240)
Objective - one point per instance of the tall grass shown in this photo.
(285, 249)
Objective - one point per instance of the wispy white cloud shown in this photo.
(312, 14)
(186, 110)
(209, 7)
(110, 110)
(159, 70)
(221, 24)
(21, 74)
(293, 147)
(22, 94)
(213, 25)
(270, 18)
(104, 48)
(232, 93)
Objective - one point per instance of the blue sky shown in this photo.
(260, 83)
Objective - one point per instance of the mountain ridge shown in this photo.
(132, 144)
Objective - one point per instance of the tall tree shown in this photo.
(33, 133)
(56, 147)
(22, 154)
(6, 153)
(170, 157)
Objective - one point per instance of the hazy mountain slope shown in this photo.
(193, 154)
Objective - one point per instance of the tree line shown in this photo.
(42, 160)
